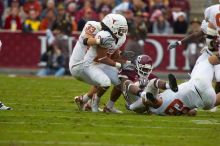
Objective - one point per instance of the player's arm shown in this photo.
(103, 57)
(89, 40)
(130, 87)
(186, 40)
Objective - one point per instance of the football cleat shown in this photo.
(3, 107)
(172, 83)
(111, 110)
(79, 101)
(214, 109)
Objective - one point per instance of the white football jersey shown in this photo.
(92, 54)
(191, 94)
(79, 51)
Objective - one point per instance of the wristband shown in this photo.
(85, 41)
(117, 64)
(128, 62)
(98, 41)
(179, 42)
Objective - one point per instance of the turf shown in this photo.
(44, 115)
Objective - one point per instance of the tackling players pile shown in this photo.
(93, 61)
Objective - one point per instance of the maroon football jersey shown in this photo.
(131, 73)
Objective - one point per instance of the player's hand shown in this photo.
(143, 82)
(126, 66)
(173, 45)
(107, 42)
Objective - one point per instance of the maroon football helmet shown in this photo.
(143, 65)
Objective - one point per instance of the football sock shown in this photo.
(136, 104)
(167, 85)
(110, 104)
(85, 98)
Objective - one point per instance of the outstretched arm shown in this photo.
(187, 39)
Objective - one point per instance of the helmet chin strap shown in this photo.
(104, 27)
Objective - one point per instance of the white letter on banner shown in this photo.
(159, 50)
(172, 58)
(70, 44)
(43, 41)
(185, 54)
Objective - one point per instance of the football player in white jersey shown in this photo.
(211, 16)
(195, 93)
(92, 68)
(134, 78)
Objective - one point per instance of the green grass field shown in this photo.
(44, 115)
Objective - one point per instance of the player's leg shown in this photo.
(100, 79)
(217, 102)
(206, 92)
(217, 77)
(112, 73)
(203, 70)
(115, 94)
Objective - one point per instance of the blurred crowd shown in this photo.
(63, 17)
(154, 16)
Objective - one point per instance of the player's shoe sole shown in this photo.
(172, 82)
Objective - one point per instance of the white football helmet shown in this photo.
(117, 24)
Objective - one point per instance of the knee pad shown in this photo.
(105, 83)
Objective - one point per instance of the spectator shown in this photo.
(158, 5)
(81, 12)
(86, 17)
(18, 2)
(31, 24)
(63, 23)
(32, 4)
(48, 21)
(139, 6)
(54, 63)
(180, 23)
(62, 29)
(161, 25)
(180, 5)
(194, 46)
(1, 12)
(105, 6)
(13, 21)
(124, 6)
(72, 10)
(50, 6)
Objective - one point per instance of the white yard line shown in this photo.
(113, 119)
(112, 134)
(15, 142)
(106, 125)
(206, 122)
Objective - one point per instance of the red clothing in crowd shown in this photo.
(32, 5)
(182, 4)
(10, 20)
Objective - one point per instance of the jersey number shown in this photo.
(90, 29)
(176, 108)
